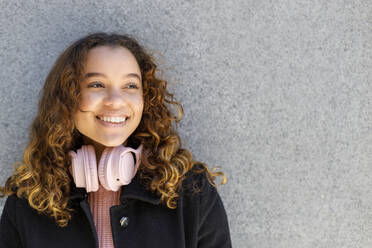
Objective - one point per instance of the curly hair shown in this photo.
(43, 178)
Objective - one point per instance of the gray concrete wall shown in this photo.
(277, 93)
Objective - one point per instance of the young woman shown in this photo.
(104, 167)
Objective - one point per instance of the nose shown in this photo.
(114, 98)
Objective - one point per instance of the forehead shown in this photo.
(103, 58)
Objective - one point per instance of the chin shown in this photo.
(113, 143)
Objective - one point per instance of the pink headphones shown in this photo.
(116, 167)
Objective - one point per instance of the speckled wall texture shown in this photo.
(277, 93)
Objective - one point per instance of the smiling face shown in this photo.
(110, 91)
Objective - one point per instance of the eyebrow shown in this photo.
(97, 74)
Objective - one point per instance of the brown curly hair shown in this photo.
(43, 178)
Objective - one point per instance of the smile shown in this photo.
(114, 119)
(113, 122)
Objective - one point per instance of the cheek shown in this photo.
(79, 120)
(89, 101)
(139, 103)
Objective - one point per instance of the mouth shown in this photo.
(112, 122)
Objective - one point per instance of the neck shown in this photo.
(98, 147)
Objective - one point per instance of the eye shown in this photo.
(133, 86)
(93, 85)
(99, 84)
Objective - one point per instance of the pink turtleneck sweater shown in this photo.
(100, 203)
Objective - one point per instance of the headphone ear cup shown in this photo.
(117, 166)
(90, 168)
(126, 167)
(83, 168)
(77, 169)
(108, 171)
(104, 168)
(130, 160)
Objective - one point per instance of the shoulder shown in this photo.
(12, 203)
(18, 210)
(198, 184)
(10, 209)
(9, 228)
(204, 200)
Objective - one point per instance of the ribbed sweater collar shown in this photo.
(134, 190)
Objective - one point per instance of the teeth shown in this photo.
(113, 119)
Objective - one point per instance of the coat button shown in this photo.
(124, 221)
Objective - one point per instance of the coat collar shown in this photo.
(134, 190)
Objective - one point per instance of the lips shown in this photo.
(111, 124)
(112, 119)
(110, 115)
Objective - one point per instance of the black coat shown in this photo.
(198, 221)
